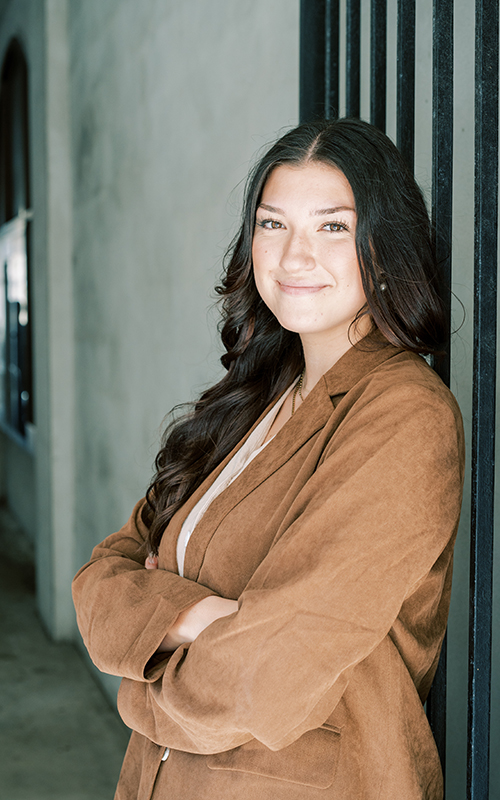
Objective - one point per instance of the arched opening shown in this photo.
(16, 372)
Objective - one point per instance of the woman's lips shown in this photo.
(300, 289)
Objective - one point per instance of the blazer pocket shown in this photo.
(311, 760)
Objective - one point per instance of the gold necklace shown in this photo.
(297, 391)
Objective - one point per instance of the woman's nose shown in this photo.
(297, 254)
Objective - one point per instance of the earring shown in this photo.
(383, 287)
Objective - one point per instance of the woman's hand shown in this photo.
(191, 622)
(151, 562)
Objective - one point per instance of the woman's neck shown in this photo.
(320, 354)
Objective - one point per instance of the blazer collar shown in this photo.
(357, 362)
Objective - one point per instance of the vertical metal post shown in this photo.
(442, 155)
(442, 206)
(405, 124)
(332, 30)
(378, 63)
(484, 384)
(352, 61)
(319, 59)
(312, 59)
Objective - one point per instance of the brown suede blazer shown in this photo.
(337, 541)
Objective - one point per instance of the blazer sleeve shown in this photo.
(123, 610)
(362, 535)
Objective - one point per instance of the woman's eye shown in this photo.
(335, 227)
(269, 224)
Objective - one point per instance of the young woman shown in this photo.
(276, 605)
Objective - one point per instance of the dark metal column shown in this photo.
(319, 59)
(312, 59)
(442, 154)
(352, 60)
(378, 63)
(406, 80)
(442, 207)
(484, 386)
(332, 31)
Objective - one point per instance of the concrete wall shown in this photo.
(134, 203)
(169, 102)
(25, 20)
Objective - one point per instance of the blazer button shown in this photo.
(166, 754)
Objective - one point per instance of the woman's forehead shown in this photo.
(313, 185)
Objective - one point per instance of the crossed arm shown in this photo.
(191, 622)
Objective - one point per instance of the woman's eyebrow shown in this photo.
(322, 212)
(272, 209)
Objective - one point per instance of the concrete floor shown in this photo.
(59, 738)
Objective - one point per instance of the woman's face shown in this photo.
(304, 253)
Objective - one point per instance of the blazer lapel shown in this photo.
(289, 439)
(311, 416)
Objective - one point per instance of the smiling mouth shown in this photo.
(300, 289)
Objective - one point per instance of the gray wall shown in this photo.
(27, 481)
(168, 106)
(144, 119)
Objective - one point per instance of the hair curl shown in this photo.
(397, 262)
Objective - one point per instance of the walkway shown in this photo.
(59, 738)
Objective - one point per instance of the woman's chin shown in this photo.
(311, 329)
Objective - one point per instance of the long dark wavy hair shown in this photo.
(398, 268)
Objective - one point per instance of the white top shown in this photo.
(252, 447)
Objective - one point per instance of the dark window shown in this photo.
(16, 384)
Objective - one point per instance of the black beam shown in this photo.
(442, 155)
(378, 63)
(312, 59)
(484, 386)
(405, 102)
(442, 208)
(332, 30)
(352, 59)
